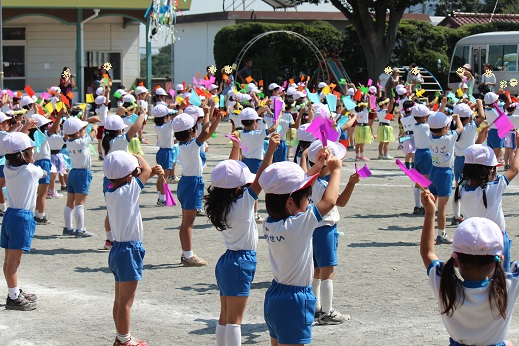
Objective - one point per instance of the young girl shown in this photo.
(80, 176)
(18, 223)
(408, 147)
(363, 133)
(191, 185)
(165, 157)
(286, 122)
(422, 156)
(493, 140)
(142, 95)
(127, 254)
(480, 191)
(385, 131)
(229, 204)
(476, 301)
(58, 167)
(4, 127)
(101, 111)
(289, 301)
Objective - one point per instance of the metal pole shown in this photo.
(1, 48)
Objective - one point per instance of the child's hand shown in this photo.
(354, 178)
(428, 202)
(456, 117)
(334, 164)
(322, 156)
(94, 119)
(274, 141)
(236, 134)
(157, 170)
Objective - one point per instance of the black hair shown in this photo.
(183, 136)
(301, 146)
(42, 128)
(435, 131)
(108, 136)
(510, 109)
(276, 204)
(218, 203)
(452, 295)
(159, 121)
(16, 159)
(248, 122)
(475, 173)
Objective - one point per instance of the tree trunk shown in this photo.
(377, 55)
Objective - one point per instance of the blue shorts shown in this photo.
(235, 271)
(423, 160)
(280, 154)
(253, 164)
(126, 260)
(79, 181)
(459, 162)
(190, 190)
(166, 157)
(106, 182)
(493, 139)
(45, 164)
(289, 312)
(2, 172)
(202, 156)
(441, 178)
(18, 228)
(325, 241)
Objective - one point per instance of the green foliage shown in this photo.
(503, 6)
(446, 7)
(160, 63)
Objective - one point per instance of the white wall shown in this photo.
(194, 48)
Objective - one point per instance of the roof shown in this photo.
(101, 4)
(458, 19)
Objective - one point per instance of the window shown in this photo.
(14, 57)
(460, 58)
(13, 34)
(97, 59)
(503, 57)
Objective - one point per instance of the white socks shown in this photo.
(188, 254)
(456, 208)
(40, 215)
(316, 288)
(233, 335)
(326, 295)
(441, 232)
(79, 213)
(220, 335)
(123, 338)
(417, 191)
(109, 236)
(67, 215)
(13, 292)
(3, 207)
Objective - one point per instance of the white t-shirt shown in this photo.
(290, 247)
(165, 135)
(22, 185)
(473, 323)
(79, 153)
(318, 189)
(119, 143)
(471, 201)
(442, 149)
(468, 137)
(408, 122)
(56, 141)
(44, 152)
(102, 113)
(189, 154)
(285, 122)
(491, 79)
(421, 135)
(253, 141)
(2, 135)
(362, 117)
(491, 115)
(124, 212)
(381, 115)
(242, 233)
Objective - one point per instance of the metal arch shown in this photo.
(315, 50)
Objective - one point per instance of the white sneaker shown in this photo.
(54, 194)
(258, 218)
(388, 157)
(333, 318)
(194, 261)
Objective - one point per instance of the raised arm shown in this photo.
(330, 194)
(344, 197)
(267, 160)
(428, 232)
(132, 131)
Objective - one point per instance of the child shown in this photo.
(80, 176)
(363, 133)
(229, 204)
(325, 237)
(493, 140)
(476, 301)
(385, 131)
(481, 190)
(422, 156)
(285, 122)
(58, 167)
(142, 95)
(18, 223)
(289, 301)
(191, 185)
(441, 144)
(165, 157)
(101, 111)
(464, 141)
(127, 254)
(4, 127)
(510, 142)
(408, 147)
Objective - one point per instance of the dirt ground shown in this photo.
(380, 280)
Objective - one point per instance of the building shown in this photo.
(458, 19)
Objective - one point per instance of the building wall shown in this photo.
(194, 48)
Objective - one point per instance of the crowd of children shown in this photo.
(275, 148)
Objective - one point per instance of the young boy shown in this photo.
(441, 144)
(127, 174)
(422, 156)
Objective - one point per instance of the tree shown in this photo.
(446, 7)
(503, 6)
(160, 63)
(376, 22)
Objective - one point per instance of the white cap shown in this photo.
(372, 89)
(26, 100)
(230, 93)
(195, 111)
(322, 85)
(303, 135)
(420, 111)
(121, 91)
(291, 91)
(15, 142)
(4, 117)
(128, 98)
(40, 120)
(100, 91)
(243, 97)
(160, 111)
(489, 99)
(350, 92)
(183, 122)
(463, 110)
(72, 125)
(179, 87)
(438, 120)
(214, 86)
(55, 89)
(478, 236)
(140, 90)
(273, 86)
(480, 154)
(400, 89)
(337, 149)
(462, 86)
(466, 67)
(114, 123)
(230, 174)
(100, 100)
(119, 164)
(161, 92)
(285, 177)
(249, 114)
(298, 95)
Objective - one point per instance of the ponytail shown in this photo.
(107, 137)
(451, 291)
(498, 295)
